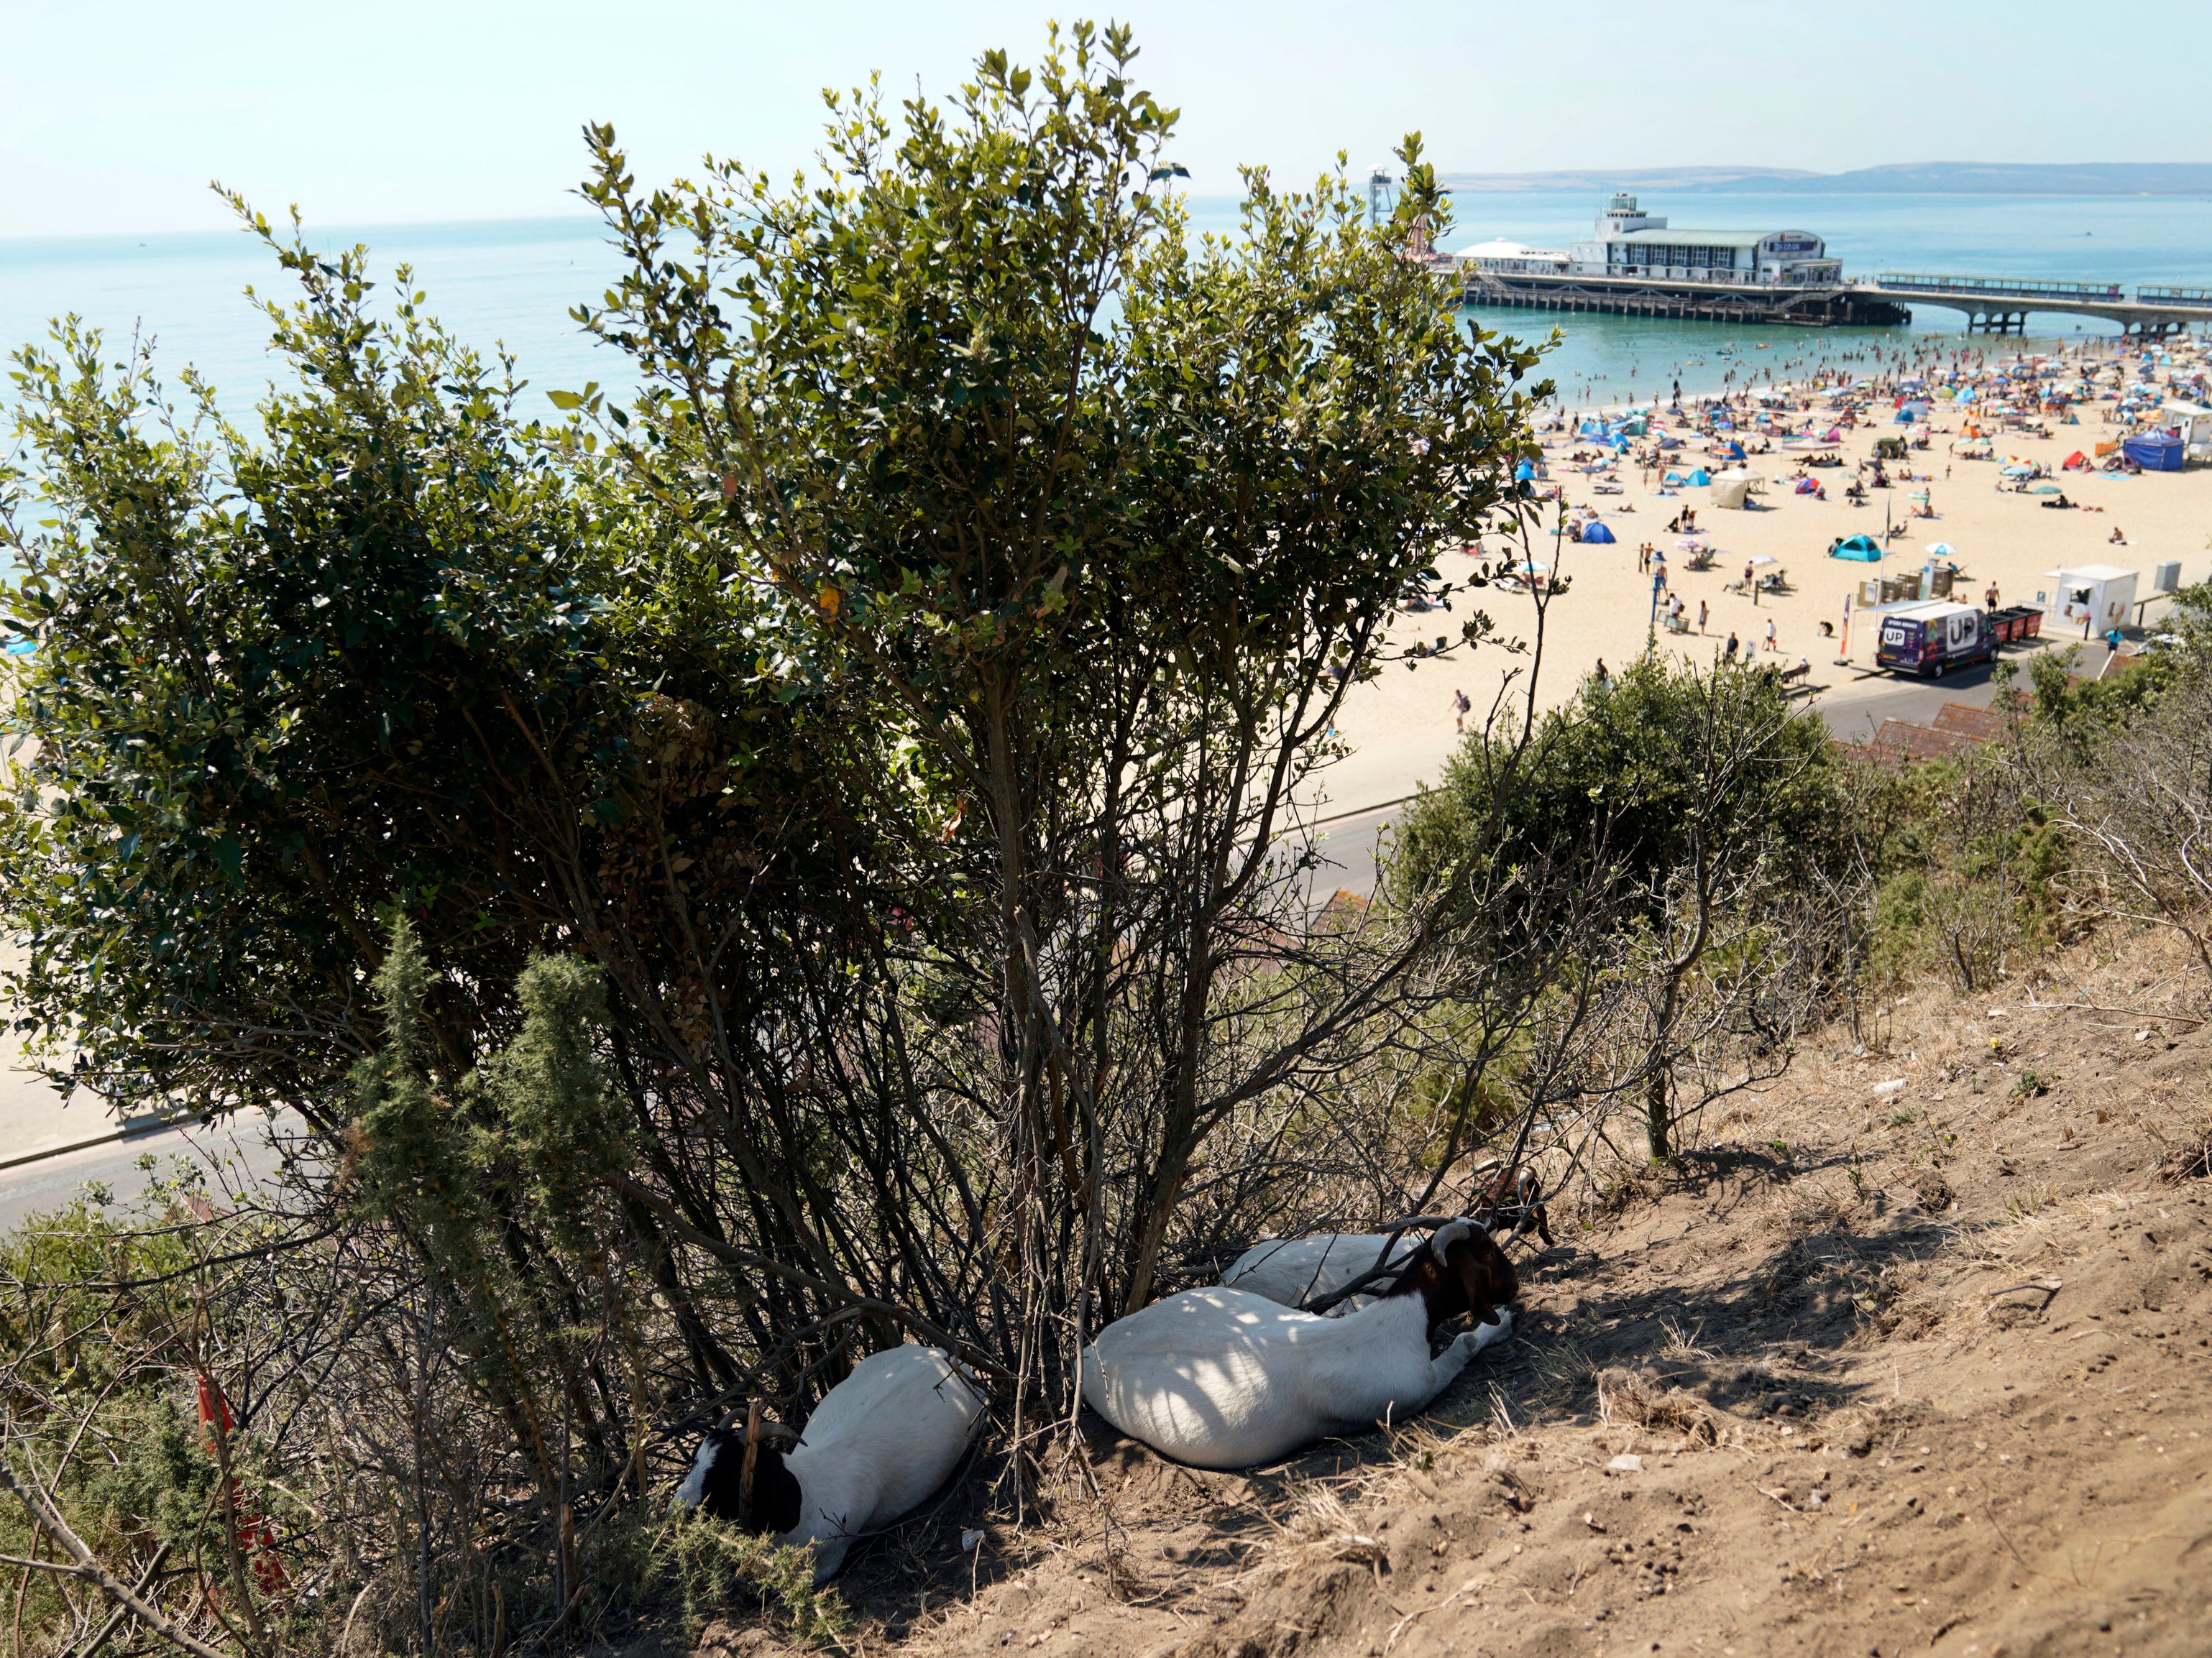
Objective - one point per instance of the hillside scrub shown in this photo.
(820, 856)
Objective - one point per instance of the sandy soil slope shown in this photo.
(1928, 1369)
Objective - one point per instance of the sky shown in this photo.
(115, 114)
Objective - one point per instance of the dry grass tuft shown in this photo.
(2185, 1151)
(1635, 1397)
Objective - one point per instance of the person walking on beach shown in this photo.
(1733, 646)
(1771, 644)
(1459, 706)
(1701, 616)
(1659, 572)
(1992, 596)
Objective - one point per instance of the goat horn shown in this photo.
(1451, 1232)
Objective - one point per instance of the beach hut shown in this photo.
(1596, 530)
(1862, 548)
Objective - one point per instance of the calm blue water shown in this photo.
(512, 282)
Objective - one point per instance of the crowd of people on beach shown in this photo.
(1935, 389)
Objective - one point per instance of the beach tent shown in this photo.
(1807, 487)
(2154, 453)
(1523, 473)
(1862, 548)
(1700, 477)
(1734, 451)
(1596, 532)
(2072, 463)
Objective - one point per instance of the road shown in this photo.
(232, 1156)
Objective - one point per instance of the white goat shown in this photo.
(1224, 1378)
(884, 1439)
(1295, 1271)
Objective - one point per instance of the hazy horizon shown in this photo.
(468, 111)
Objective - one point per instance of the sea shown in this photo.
(511, 283)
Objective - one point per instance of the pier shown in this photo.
(1635, 263)
(2000, 305)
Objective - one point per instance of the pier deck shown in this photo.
(1991, 305)
(1805, 305)
(2000, 305)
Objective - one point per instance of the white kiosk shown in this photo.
(2085, 601)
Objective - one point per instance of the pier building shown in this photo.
(1630, 242)
(1634, 263)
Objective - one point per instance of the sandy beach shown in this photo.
(1400, 726)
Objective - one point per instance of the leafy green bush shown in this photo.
(1613, 780)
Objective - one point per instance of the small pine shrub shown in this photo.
(714, 1565)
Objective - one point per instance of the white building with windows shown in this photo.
(1629, 242)
(1513, 259)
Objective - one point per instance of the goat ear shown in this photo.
(1488, 1278)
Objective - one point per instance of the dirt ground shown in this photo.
(1915, 1355)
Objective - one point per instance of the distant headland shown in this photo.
(1934, 178)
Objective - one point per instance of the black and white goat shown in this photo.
(1511, 1199)
(1223, 1378)
(883, 1440)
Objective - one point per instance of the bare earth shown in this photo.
(1400, 727)
(1940, 1386)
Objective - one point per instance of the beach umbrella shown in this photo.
(2046, 489)
(2017, 470)
(1690, 545)
(1940, 549)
